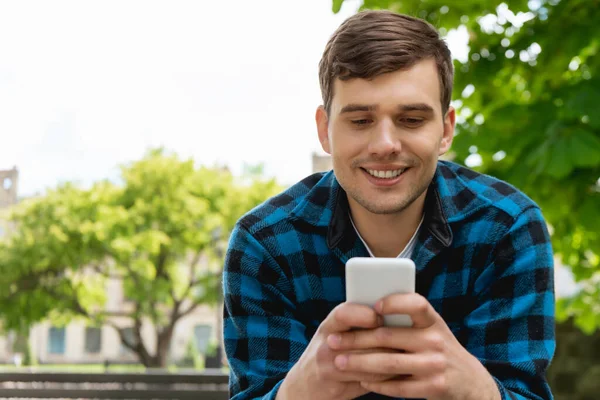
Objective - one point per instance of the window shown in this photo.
(202, 337)
(56, 340)
(128, 333)
(93, 340)
(7, 184)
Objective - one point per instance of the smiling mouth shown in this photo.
(388, 174)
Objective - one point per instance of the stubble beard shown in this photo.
(404, 199)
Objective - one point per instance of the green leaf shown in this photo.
(336, 6)
(563, 309)
(584, 148)
(587, 322)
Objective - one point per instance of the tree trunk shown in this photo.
(163, 343)
(137, 346)
(160, 357)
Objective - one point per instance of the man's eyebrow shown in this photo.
(372, 107)
(358, 107)
(416, 107)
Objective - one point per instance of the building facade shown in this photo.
(9, 180)
(79, 342)
(321, 162)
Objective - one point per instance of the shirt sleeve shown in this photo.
(512, 328)
(263, 338)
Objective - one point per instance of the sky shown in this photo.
(88, 86)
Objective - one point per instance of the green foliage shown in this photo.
(211, 349)
(337, 5)
(534, 78)
(192, 357)
(161, 232)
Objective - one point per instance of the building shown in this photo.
(79, 343)
(8, 194)
(9, 180)
(321, 162)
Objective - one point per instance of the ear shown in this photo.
(448, 135)
(323, 128)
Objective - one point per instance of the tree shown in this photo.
(527, 103)
(158, 232)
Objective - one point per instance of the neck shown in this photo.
(388, 234)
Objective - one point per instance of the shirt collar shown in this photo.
(341, 233)
(452, 195)
(406, 252)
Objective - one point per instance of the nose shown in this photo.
(384, 140)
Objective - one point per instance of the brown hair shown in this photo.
(371, 43)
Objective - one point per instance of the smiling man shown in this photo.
(483, 314)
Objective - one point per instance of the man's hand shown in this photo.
(315, 376)
(431, 362)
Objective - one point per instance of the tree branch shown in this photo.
(121, 331)
(192, 280)
(137, 346)
(104, 273)
(189, 310)
(114, 314)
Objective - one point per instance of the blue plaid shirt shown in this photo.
(484, 261)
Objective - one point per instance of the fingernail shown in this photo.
(379, 306)
(341, 361)
(334, 340)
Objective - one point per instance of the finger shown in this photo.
(389, 339)
(391, 363)
(406, 339)
(409, 387)
(416, 306)
(347, 316)
(364, 377)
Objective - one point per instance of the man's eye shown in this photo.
(361, 121)
(412, 121)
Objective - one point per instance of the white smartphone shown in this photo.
(368, 279)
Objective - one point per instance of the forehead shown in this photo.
(417, 84)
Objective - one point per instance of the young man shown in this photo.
(483, 314)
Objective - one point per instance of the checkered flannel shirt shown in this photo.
(484, 261)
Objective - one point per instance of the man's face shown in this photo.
(385, 136)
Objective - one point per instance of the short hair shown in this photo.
(371, 43)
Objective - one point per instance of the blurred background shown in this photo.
(135, 133)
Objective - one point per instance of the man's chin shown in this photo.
(387, 208)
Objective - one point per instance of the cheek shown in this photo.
(425, 146)
(346, 144)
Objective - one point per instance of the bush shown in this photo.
(192, 357)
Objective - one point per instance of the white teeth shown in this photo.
(386, 174)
